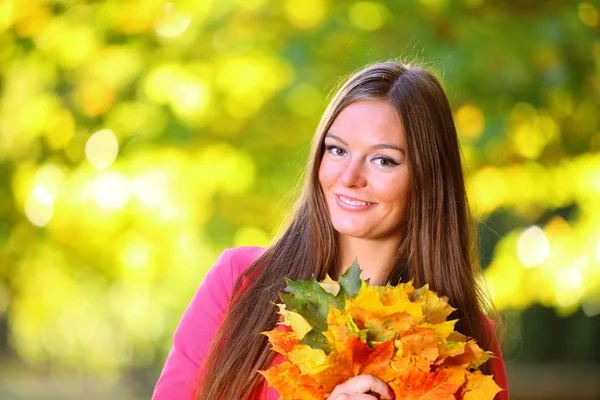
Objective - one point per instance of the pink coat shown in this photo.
(205, 314)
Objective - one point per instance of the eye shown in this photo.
(385, 162)
(335, 151)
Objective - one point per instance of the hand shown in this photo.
(358, 388)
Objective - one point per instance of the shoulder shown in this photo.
(490, 325)
(240, 258)
(246, 253)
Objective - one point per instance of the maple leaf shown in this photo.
(448, 349)
(356, 358)
(376, 361)
(311, 301)
(371, 300)
(308, 299)
(333, 331)
(471, 354)
(304, 388)
(418, 347)
(480, 387)
(337, 331)
(310, 361)
(441, 384)
(382, 331)
(435, 309)
(299, 325)
(282, 341)
(350, 282)
(330, 286)
(317, 340)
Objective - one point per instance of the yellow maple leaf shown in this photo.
(311, 361)
(471, 354)
(369, 304)
(480, 387)
(330, 286)
(435, 309)
(294, 320)
(398, 333)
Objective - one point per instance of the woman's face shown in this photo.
(363, 173)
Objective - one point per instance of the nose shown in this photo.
(353, 174)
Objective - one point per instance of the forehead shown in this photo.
(369, 121)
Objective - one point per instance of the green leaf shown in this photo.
(310, 300)
(350, 281)
(316, 340)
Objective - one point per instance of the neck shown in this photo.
(375, 257)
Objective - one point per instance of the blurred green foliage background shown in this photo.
(138, 138)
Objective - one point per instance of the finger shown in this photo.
(364, 384)
(352, 396)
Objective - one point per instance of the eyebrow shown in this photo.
(377, 146)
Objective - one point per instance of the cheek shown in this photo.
(394, 192)
(325, 174)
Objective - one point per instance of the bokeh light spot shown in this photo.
(39, 206)
(60, 129)
(136, 254)
(469, 122)
(305, 14)
(151, 188)
(367, 15)
(8, 12)
(569, 287)
(51, 178)
(488, 189)
(532, 247)
(159, 82)
(111, 190)
(588, 14)
(190, 98)
(94, 97)
(102, 148)
(171, 22)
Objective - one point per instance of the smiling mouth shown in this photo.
(352, 202)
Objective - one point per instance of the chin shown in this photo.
(353, 231)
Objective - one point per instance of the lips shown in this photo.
(352, 204)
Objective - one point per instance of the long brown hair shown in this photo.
(439, 246)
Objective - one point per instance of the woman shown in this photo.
(384, 185)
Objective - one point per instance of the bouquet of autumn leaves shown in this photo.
(332, 331)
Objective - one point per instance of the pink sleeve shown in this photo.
(195, 332)
(497, 364)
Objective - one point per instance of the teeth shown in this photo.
(353, 202)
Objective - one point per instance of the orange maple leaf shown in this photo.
(471, 354)
(305, 387)
(357, 358)
(282, 340)
(400, 334)
(441, 384)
